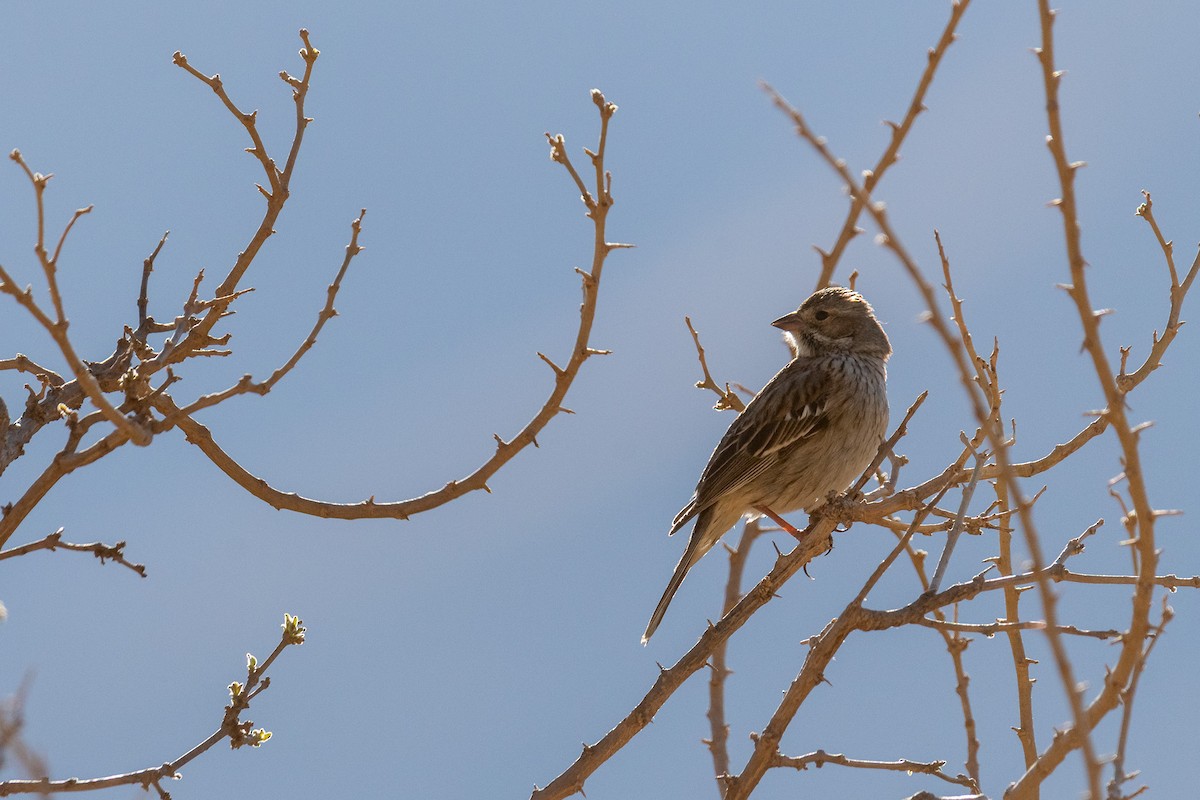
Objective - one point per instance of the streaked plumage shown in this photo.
(812, 429)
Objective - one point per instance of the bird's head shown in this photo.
(835, 320)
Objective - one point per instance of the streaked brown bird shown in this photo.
(812, 429)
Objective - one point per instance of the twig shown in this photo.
(957, 528)
(23, 363)
(829, 260)
(820, 758)
(718, 667)
(1139, 627)
(247, 384)
(1025, 730)
(278, 181)
(1120, 777)
(1171, 582)
(956, 646)
(1178, 291)
(990, 629)
(727, 397)
(143, 303)
(987, 378)
(238, 732)
(57, 327)
(53, 541)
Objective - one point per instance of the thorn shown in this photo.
(557, 369)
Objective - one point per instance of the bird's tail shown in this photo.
(696, 548)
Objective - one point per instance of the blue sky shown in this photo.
(467, 652)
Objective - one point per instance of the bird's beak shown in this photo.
(787, 321)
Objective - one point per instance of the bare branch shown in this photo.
(1178, 291)
(57, 328)
(53, 541)
(990, 629)
(1139, 627)
(820, 758)
(200, 436)
(1120, 777)
(247, 384)
(238, 733)
(956, 528)
(143, 303)
(23, 363)
(728, 400)
(850, 229)
(718, 668)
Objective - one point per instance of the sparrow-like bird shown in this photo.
(812, 429)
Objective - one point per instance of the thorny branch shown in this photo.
(598, 201)
(850, 229)
(978, 377)
(190, 336)
(993, 432)
(956, 646)
(718, 668)
(820, 758)
(814, 542)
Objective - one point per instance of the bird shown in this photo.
(809, 432)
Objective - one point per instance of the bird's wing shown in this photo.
(790, 408)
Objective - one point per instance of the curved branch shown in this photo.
(598, 201)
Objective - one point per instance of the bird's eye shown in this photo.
(822, 315)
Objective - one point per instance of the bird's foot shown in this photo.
(840, 509)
